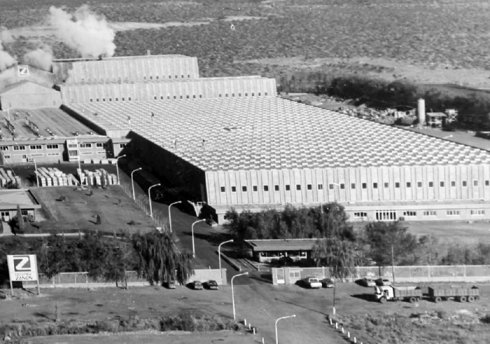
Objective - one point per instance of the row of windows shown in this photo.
(392, 215)
(353, 186)
(50, 146)
(157, 77)
(178, 97)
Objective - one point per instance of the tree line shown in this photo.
(153, 255)
(341, 247)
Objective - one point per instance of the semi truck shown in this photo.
(391, 293)
(459, 293)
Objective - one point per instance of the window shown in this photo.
(375, 185)
(342, 186)
(36, 147)
(233, 189)
(475, 183)
(320, 186)
(17, 147)
(244, 188)
(452, 212)
(453, 183)
(85, 145)
(266, 187)
(52, 146)
(223, 189)
(409, 213)
(4, 148)
(464, 182)
(397, 184)
(387, 185)
(255, 187)
(478, 212)
(360, 215)
(431, 184)
(288, 187)
(487, 182)
(441, 184)
(409, 185)
(385, 215)
(276, 187)
(353, 186)
(100, 145)
(298, 187)
(309, 187)
(6, 156)
(364, 185)
(430, 213)
(122, 145)
(419, 184)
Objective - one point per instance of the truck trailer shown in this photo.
(459, 293)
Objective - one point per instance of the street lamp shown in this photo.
(149, 198)
(170, 214)
(132, 181)
(192, 231)
(35, 172)
(233, 294)
(117, 167)
(219, 253)
(277, 320)
(333, 302)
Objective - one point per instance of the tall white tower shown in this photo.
(421, 112)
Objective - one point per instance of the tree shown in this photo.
(339, 255)
(159, 260)
(383, 237)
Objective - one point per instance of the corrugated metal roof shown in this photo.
(282, 244)
(245, 133)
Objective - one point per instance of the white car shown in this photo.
(312, 282)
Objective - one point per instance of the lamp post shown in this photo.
(333, 302)
(117, 167)
(219, 253)
(35, 172)
(277, 320)
(233, 293)
(132, 180)
(192, 231)
(149, 198)
(170, 215)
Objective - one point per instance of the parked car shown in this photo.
(311, 282)
(382, 282)
(211, 285)
(196, 285)
(366, 282)
(327, 283)
(170, 284)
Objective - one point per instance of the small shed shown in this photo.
(267, 250)
(10, 199)
(29, 95)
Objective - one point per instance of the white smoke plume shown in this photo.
(41, 58)
(6, 60)
(84, 31)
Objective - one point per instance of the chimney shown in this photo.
(421, 112)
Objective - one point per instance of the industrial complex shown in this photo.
(232, 142)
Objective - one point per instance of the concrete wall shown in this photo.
(189, 89)
(362, 189)
(412, 274)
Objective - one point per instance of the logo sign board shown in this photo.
(22, 267)
(23, 70)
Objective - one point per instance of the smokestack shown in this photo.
(421, 112)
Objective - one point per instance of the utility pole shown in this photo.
(393, 262)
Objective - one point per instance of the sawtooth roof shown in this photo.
(274, 133)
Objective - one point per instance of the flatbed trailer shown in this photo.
(458, 293)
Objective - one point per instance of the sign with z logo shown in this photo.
(22, 267)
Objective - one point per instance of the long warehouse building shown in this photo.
(232, 142)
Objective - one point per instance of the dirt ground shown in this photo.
(70, 208)
(260, 303)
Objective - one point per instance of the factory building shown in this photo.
(231, 142)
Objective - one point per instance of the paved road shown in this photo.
(206, 238)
